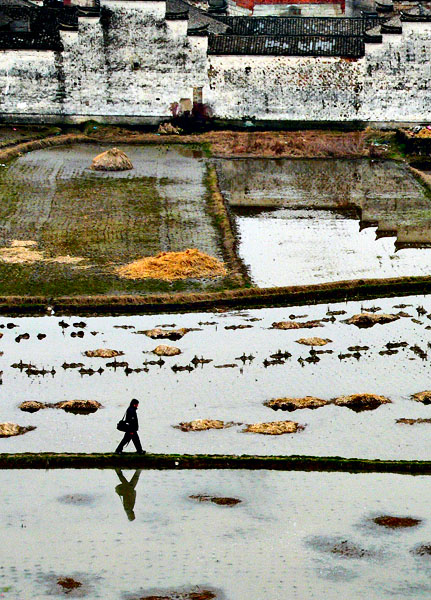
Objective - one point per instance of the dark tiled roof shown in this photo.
(197, 17)
(418, 13)
(343, 46)
(294, 25)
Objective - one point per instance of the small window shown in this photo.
(197, 95)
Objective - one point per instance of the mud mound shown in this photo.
(12, 429)
(220, 501)
(163, 350)
(412, 421)
(203, 425)
(291, 404)
(67, 583)
(396, 522)
(200, 595)
(103, 353)
(424, 397)
(111, 160)
(359, 402)
(165, 334)
(79, 407)
(31, 406)
(274, 428)
(314, 341)
(422, 550)
(295, 325)
(169, 266)
(364, 320)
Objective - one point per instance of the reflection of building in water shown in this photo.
(304, 8)
(381, 194)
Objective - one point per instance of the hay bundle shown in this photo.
(424, 397)
(274, 428)
(111, 160)
(359, 402)
(103, 353)
(163, 350)
(174, 265)
(169, 129)
(296, 403)
(203, 425)
(79, 407)
(12, 429)
(314, 341)
(364, 320)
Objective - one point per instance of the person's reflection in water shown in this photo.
(127, 493)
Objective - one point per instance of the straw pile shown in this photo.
(169, 129)
(203, 425)
(359, 402)
(424, 397)
(170, 266)
(111, 160)
(296, 325)
(369, 319)
(296, 403)
(103, 353)
(314, 341)
(11, 429)
(163, 350)
(274, 428)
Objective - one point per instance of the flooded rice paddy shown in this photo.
(130, 535)
(246, 363)
(312, 221)
(82, 224)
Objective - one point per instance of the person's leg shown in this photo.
(137, 442)
(126, 439)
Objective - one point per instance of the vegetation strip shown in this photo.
(52, 460)
(339, 291)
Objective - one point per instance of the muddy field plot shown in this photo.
(225, 373)
(310, 221)
(294, 534)
(64, 229)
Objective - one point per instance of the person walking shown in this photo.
(131, 433)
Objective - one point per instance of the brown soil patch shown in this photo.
(165, 334)
(314, 341)
(359, 402)
(364, 320)
(67, 583)
(220, 501)
(291, 404)
(274, 428)
(412, 421)
(103, 353)
(396, 522)
(12, 429)
(163, 350)
(111, 160)
(21, 251)
(295, 325)
(203, 425)
(169, 266)
(424, 397)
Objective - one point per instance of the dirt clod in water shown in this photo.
(220, 501)
(163, 350)
(364, 320)
(412, 421)
(203, 425)
(190, 264)
(396, 522)
(349, 550)
(165, 334)
(295, 325)
(424, 397)
(291, 404)
(12, 429)
(103, 353)
(199, 595)
(359, 402)
(422, 550)
(78, 407)
(67, 583)
(314, 341)
(274, 428)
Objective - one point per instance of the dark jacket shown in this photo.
(132, 419)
